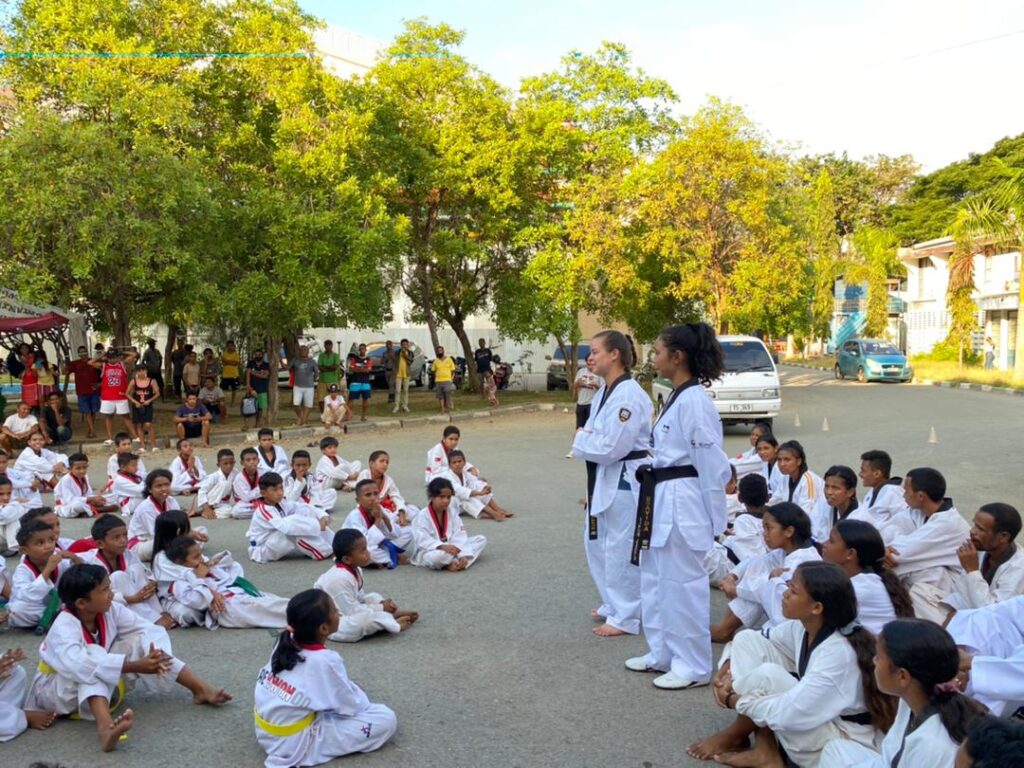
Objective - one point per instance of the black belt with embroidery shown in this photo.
(649, 477)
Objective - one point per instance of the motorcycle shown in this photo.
(502, 373)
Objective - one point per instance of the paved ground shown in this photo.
(502, 669)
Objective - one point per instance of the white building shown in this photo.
(996, 292)
(347, 53)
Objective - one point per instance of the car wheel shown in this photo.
(860, 375)
(838, 371)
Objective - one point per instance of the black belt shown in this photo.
(861, 718)
(649, 477)
(592, 481)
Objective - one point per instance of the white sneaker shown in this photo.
(142, 449)
(639, 664)
(396, 409)
(670, 681)
(568, 455)
(108, 442)
(136, 440)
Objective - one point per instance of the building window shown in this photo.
(922, 281)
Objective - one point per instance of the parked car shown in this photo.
(378, 379)
(557, 378)
(749, 390)
(872, 360)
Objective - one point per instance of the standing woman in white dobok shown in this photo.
(678, 525)
(614, 443)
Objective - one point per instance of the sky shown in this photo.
(937, 79)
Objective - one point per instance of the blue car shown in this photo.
(872, 360)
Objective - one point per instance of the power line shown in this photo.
(151, 55)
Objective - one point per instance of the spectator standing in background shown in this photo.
(230, 361)
(178, 359)
(305, 371)
(483, 357)
(257, 383)
(142, 392)
(990, 353)
(114, 390)
(403, 373)
(154, 363)
(190, 374)
(329, 363)
(443, 368)
(209, 366)
(584, 387)
(390, 358)
(359, 366)
(87, 387)
(47, 378)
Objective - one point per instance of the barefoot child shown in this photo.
(216, 497)
(473, 496)
(744, 539)
(917, 661)
(214, 592)
(857, 548)
(74, 496)
(246, 485)
(755, 586)
(386, 539)
(362, 614)
(387, 489)
(307, 710)
(127, 488)
(802, 683)
(280, 528)
(26, 487)
(187, 470)
(41, 463)
(130, 579)
(437, 457)
(122, 444)
(48, 516)
(34, 601)
(10, 517)
(13, 684)
(272, 457)
(332, 470)
(301, 485)
(440, 539)
(97, 648)
(158, 500)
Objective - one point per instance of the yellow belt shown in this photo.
(115, 701)
(289, 729)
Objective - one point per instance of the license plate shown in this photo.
(741, 407)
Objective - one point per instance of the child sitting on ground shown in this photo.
(40, 462)
(301, 485)
(280, 528)
(48, 516)
(214, 592)
(332, 470)
(362, 614)
(131, 580)
(187, 470)
(755, 586)
(437, 457)
(216, 497)
(127, 487)
(744, 539)
(440, 539)
(158, 500)
(337, 412)
(473, 496)
(13, 683)
(122, 444)
(388, 541)
(96, 649)
(272, 457)
(387, 489)
(74, 496)
(307, 710)
(26, 486)
(34, 602)
(838, 501)
(247, 484)
(11, 511)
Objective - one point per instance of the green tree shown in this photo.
(825, 255)
(872, 260)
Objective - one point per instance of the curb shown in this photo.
(961, 385)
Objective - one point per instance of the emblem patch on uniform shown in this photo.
(624, 414)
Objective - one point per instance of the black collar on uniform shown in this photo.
(609, 390)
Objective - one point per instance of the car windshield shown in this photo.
(582, 352)
(743, 356)
(880, 348)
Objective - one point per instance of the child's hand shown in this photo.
(389, 606)
(8, 661)
(217, 603)
(200, 536)
(777, 572)
(486, 490)
(54, 560)
(75, 559)
(215, 560)
(451, 549)
(891, 560)
(156, 662)
(202, 570)
(324, 522)
(403, 519)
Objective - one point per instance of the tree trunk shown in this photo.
(569, 353)
(271, 346)
(459, 326)
(119, 327)
(172, 334)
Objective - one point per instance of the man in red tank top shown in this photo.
(113, 389)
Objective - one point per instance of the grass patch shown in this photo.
(824, 363)
(949, 371)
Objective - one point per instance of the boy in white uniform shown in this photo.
(362, 614)
(301, 485)
(388, 542)
(473, 496)
(991, 641)
(122, 444)
(280, 528)
(926, 558)
(127, 487)
(437, 457)
(33, 601)
(272, 457)
(993, 563)
(216, 497)
(42, 463)
(334, 472)
(26, 487)
(13, 684)
(10, 517)
(187, 470)
(96, 649)
(884, 505)
(387, 489)
(247, 484)
(438, 535)
(74, 496)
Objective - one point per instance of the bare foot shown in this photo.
(766, 756)
(459, 564)
(39, 720)
(403, 560)
(213, 697)
(607, 630)
(404, 622)
(497, 517)
(596, 615)
(717, 744)
(166, 621)
(118, 728)
(208, 513)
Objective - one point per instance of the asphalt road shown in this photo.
(502, 669)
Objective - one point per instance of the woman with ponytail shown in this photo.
(857, 548)
(307, 710)
(917, 661)
(803, 683)
(682, 509)
(614, 443)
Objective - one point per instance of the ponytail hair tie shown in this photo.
(952, 686)
(850, 628)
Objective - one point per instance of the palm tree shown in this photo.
(994, 220)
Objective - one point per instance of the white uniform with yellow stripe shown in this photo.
(314, 713)
(804, 494)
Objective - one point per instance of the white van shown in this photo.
(749, 390)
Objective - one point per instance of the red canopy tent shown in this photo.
(38, 328)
